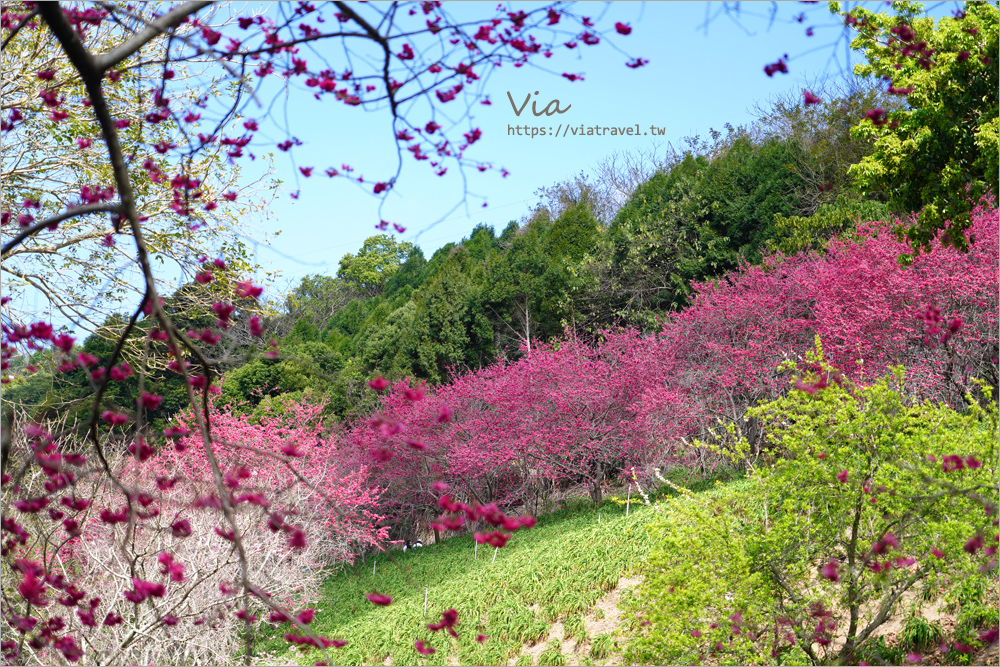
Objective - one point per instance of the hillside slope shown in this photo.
(549, 575)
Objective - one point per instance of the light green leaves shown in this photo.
(939, 155)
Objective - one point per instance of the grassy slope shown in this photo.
(561, 566)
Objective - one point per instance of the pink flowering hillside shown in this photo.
(572, 414)
(937, 317)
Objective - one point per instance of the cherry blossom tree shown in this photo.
(937, 318)
(52, 162)
(569, 413)
(564, 411)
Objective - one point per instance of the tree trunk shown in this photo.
(596, 494)
(846, 655)
(527, 325)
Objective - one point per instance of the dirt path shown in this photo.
(602, 619)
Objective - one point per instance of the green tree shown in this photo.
(856, 493)
(303, 331)
(449, 322)
(50, 394)
(411, 274)
(308, 367)
(524, 286)
(800, 233)
(712, 207)
(938, 155)
(379, 258)
(646, 262)
(392, 347)
(317, 299)
(481, 242)
(827, 147)
(745, 188)
(574, 233)
(699, 572)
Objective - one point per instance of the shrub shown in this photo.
(699, 583)
(872, 493)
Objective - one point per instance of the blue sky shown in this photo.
(696, 79)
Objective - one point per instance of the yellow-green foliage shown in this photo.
(854, 467)
(700, 572)
(940, 154)
(602, 646)
(552, 655)
(795, 234)
(573, 628)
(919, 634)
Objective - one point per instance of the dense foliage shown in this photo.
(872, 501)
(940, 152)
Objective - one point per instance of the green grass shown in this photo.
(880, 652)
(602, 646)
(575, 629)
(552, 655)
(919, 634)
(561, 567)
